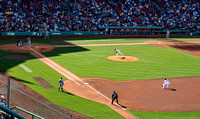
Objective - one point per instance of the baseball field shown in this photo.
(90, 77)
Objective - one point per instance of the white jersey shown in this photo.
(117, 50)
(166, 82)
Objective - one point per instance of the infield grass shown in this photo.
(154, 63)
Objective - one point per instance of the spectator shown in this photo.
(82, 15)
(2, 100)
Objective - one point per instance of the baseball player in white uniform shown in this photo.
(29, 41)
(166, 83)
(61, 83)
(118, 52)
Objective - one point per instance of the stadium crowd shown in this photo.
(89, 15)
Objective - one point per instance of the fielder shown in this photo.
(29, 41)
(61, 83)
(166, 83)
(118, 52)
(167, 34)
(47, 34)
(40, 33)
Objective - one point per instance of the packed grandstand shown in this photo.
(91, 15)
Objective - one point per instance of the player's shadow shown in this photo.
(170, 89)
(68, 93)
(123, 57)
(122, 106)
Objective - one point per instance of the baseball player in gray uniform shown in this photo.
(61, 83)
(167, 34)
(47, 34)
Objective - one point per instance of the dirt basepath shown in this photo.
(190, 47)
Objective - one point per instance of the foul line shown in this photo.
(55, 67)
(76, 77)
(25, 68)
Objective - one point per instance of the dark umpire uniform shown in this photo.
(18, 42)
(114, 96)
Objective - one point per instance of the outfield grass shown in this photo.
(108, 41)
(155, 62)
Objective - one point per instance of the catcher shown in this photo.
(19, 43)
(118, 52)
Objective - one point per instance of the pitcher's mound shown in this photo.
(123, 58)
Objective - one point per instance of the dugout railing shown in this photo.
(23, 110)
(12, 114)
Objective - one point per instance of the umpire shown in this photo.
(114, 96)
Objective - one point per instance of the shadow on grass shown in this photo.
(68, 93)
(64, 50)
(21, 80)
